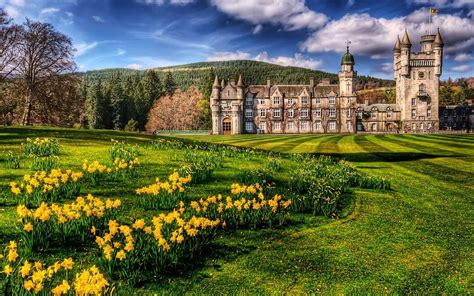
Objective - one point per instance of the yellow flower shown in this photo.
(67, 263)
(28, 227)
(93, 230)
(121, 255)
(139, 224)
(25, 269)
(61, 289)
(12, 255)
(7, 270)
(28, 285)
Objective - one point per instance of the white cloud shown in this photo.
(82, 48)
(297, 61)
(228, 56)
(443, 3)
(291, 14)
(462, 68)
(49, 10)
(386, 68)
(463, 57)
(98, 19)
(350, 3)
(375, 37)
(257, 29)
(18, 3)
(121, 52)
(161, 2)
(135, 66)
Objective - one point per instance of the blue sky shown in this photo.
(144, 34)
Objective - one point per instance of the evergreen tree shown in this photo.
(96, 107)
(151, 90)
(117, 103)
(130, 96)
(170, 84)
(204, 103)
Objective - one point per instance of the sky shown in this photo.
(142, 34)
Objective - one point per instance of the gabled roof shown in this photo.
(379, 107)
(325, 90)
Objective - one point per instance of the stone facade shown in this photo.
(333, 108)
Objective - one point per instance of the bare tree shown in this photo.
(45, 58)
(9, 37)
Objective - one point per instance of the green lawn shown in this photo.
(416, 238)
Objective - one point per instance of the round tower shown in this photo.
(438, 45)
(215, 107)
(347, 75)
(405, 49)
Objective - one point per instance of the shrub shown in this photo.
(41, 147)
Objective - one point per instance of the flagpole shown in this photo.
(429, 11)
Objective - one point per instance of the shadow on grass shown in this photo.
(386, 156)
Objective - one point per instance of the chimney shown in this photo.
(311, 82)
(268, 83)
(367, 102)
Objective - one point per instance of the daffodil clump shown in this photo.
(41, 147)
(127, 251)
(164, 194)
(200, 165)
(67, 223)
(123, 151)
(95, 171)
(25, 277)
(42, 186)
(247, 206)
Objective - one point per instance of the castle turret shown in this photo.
(438, 45)
(396, 57)
(405, 48)
(240, 89)
(347, 74)
(215, 106)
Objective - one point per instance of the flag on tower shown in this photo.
(434, 11)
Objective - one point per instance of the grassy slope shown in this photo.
(413, 239)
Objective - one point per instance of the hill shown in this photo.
(253, 72)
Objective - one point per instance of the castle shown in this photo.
(333, 108)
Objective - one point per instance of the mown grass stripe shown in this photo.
(402, 140)
(451, 146)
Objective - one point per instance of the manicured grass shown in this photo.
(416, 238)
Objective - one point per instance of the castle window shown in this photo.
(413, 126)
(249, 101)
(249, 126)
(318, 112)
(348, 86)
(276, 113)
(248, 113)
(374, 127)
(262, 101)
(421, 75)
(304, 113)
(304, 100)
(276, 100)
(413, 102)
(429, 74)
(332, 112)
(332, 100)
(317, 125)
(318, 100)
(332, 125)
(359, 113)
(304, 125)
(389, 113)
(276, 126)
(429, 125)
(262, 126)
(290, 101)
(422, 89)
(413, 113)
(291, 126)
(263, 113)
(428, 101)
(290, 113)
(348, 125)
(428, 113)
(348, 113)
(374, 113)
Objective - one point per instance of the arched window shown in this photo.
(422, 88)
(374, 113)
(374, 127)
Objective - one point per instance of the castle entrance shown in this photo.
(227, 126)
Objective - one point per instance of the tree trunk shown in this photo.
(27, 110)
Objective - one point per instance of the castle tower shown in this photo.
(347, 95)
(215, 107)
(417, 82)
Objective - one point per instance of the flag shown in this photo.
(434, 11)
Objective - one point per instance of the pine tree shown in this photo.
(117, 104)
(151, 90)
(170, 84)
(204, 103)
(96, 107)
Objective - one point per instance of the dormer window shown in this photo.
(304, 100)
(290, 101)
(374, 113)
(332, 100)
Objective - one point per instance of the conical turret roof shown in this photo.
(406, 39)
(216, 82)
(222, 83)
(438, 40)
(397, 45)
(239, 83)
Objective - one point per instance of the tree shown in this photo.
(9, 37)
(118, 103)
(95, 106)
(204, 103)
(170, 84)
(43, 54)
(151, 91)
